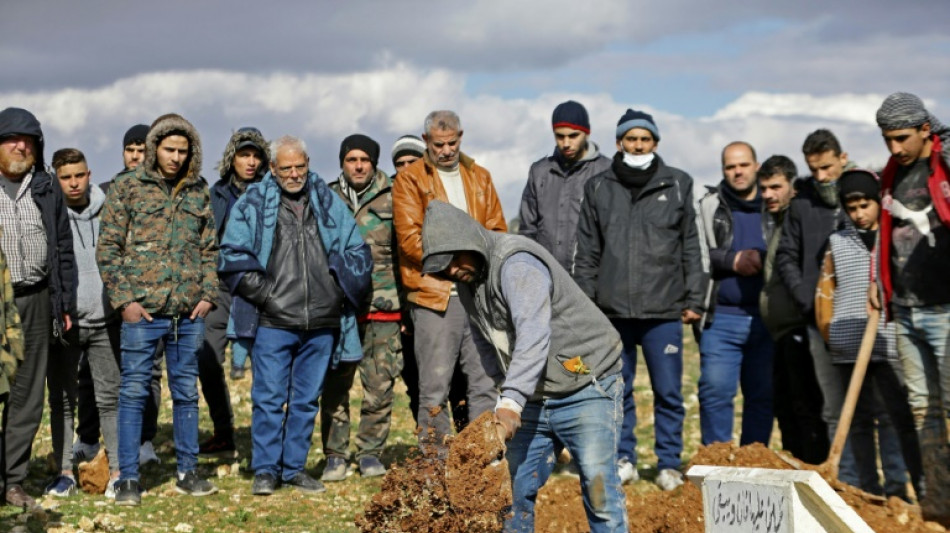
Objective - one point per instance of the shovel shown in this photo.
(830, 466)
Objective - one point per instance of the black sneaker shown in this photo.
(264, 484)
(305, 483)
(128, 493)
(194, 485)
(216, 445)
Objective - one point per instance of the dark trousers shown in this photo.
(23, 411)
(214, 386)
(798, 400)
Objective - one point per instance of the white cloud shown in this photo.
(504, 134)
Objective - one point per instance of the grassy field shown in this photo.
(234, 509)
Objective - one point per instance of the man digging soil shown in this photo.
(554, 354)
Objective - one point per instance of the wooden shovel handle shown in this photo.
(854, 390)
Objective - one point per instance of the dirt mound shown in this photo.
(560, 508)
(94, 474)
(465, 494)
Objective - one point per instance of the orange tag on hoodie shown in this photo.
(576, 366)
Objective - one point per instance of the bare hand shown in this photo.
(67, 322)
(747, 262)
(690, 317)
(135, 312)
(874, 297)
(202, 309)
(507, 423)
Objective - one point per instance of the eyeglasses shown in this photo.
(285, 171)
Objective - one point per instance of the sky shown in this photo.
(709, 72)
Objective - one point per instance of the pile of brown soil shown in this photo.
(560, 509)
(465, 494)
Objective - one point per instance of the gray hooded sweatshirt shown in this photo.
(93, 308)
(546, 345)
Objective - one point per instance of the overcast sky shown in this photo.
(710, 72)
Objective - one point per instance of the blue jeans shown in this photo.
(736, 349)
(183, 338)
(923, 344)
(662, 342)
(289, 367)
(586, 423)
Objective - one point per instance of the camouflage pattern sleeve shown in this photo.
(209, 256)
(110, 251)
(11, 343)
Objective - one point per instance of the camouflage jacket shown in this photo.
(158, 247)
(374, 217)
(11, 334)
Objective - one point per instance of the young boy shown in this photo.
(841, 313)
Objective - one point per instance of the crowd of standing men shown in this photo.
(414, 275)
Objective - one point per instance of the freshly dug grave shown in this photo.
(560, 509)
(465, 494)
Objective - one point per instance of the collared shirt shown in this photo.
(24, 237)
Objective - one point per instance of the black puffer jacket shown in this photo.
(297, 291)
(48, 196)
(641, 257)
(808, 224)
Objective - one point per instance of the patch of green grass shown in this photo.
(233, 508)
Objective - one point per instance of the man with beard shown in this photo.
(39, 248)
(551, 201)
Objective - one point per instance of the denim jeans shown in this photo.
(289, 368)
(736, 349)
(586, 423)
(662, 343)
(183, 338)
(923, 344)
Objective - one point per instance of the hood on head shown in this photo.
(241, 138)
(14, 120)
(447, 230)
(164, 126)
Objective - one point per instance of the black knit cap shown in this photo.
(572, 115)
(860, 181)
(135, 135)
(358, 141)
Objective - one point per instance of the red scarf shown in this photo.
(939, 186)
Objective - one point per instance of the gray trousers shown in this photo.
(23, 411)
(100, 347)
(441, 340)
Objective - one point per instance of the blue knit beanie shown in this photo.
(571, 114)
(637, 119)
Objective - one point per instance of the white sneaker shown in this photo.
(147, 454)
(669, 479)
(627, 472)
(110, 489)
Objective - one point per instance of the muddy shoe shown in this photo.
(371, 467)
(18, 497)
(191, 483)
(669, 479)
(305, 483)
(335, 469)
(264, 484)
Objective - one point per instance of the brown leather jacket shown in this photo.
(413, 188)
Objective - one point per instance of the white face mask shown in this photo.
(639, 161)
